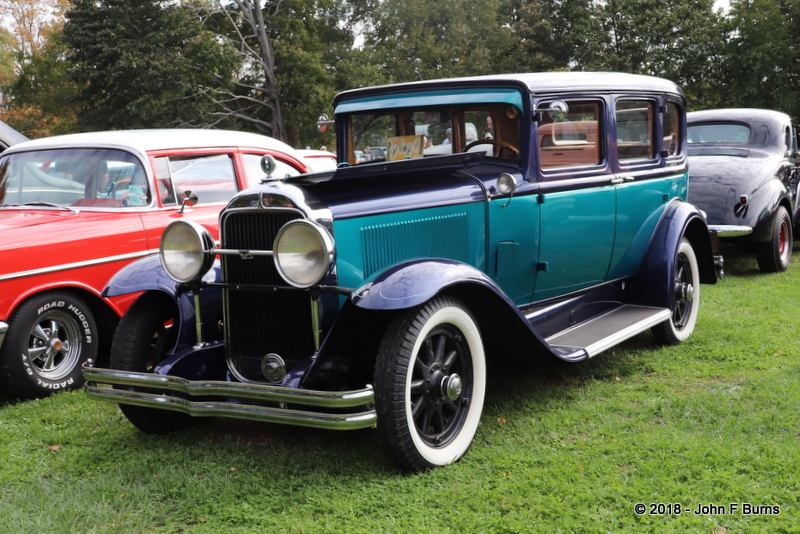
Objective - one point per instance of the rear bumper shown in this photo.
(729, 230)
(350, 409)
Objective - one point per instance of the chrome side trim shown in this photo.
(223, 408)
(77, 265)
(730, 230)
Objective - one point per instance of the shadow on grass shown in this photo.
(740, 259)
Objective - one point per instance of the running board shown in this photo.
(604, 331)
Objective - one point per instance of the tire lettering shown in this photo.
(55, 385)
(54, 304)
(82, 318)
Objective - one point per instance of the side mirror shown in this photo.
(556, 106)
(188, 198)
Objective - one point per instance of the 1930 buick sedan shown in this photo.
(550, 220)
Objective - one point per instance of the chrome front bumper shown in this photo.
(3, 330)
(174, 392)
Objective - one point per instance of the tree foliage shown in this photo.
(273, 66)
(139, 63)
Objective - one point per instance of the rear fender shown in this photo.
(653, 285)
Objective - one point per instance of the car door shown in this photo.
(211, 175)
(648, 174)
(577, 198)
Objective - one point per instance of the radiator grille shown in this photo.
(261, 322)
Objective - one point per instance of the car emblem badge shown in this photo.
(245, 255)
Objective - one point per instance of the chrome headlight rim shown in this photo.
(324, 242)
(200, 251)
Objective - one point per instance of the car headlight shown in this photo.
(303, 252)
(187, 251)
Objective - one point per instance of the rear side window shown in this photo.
(570, 138)
(210, 176)
(635, 129)
(672, 129)
(252, 167)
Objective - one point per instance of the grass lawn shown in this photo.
(562, 448)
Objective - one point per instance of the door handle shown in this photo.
(622, 179)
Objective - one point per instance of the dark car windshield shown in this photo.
(723, 132)
(73, 177)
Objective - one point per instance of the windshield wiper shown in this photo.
(47, 204)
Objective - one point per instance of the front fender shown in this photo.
(653, 285)
(413, 283)
(148, 274)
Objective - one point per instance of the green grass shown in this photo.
(563, 448)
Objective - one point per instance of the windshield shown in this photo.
(73, 177)
(399, 134)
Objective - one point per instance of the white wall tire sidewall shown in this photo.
(459, 446)
(683, 334)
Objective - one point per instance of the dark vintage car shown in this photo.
(373, 296)
(743, 172)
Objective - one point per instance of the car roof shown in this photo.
(737, 114)
(143, 141)
(536, 83)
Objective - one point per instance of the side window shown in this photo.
(252, 168)
(672, 129)
(211, 177)
(788, 141)
(635, 127)
(572, 137)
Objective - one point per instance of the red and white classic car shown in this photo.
(75, 209)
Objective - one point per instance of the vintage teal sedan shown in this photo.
(542, 215)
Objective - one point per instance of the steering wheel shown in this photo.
(499, 146)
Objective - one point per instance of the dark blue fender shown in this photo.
(653, 286)
(147, 274)
(413, 283)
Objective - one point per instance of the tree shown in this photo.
(289, 51)
(31, 21)
(39, 100)
(141, 63)
(761, 63)
(418, 39)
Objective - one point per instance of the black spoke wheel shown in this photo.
(145, 337)
(430, 381)
(49, 338)
(774, 256)
(685, 298)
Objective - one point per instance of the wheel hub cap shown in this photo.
(452, 386)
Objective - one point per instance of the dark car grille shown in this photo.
(258, 323)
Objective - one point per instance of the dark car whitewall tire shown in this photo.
(685, 298)
(430, 382)
(144, 338)
(49, 338)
